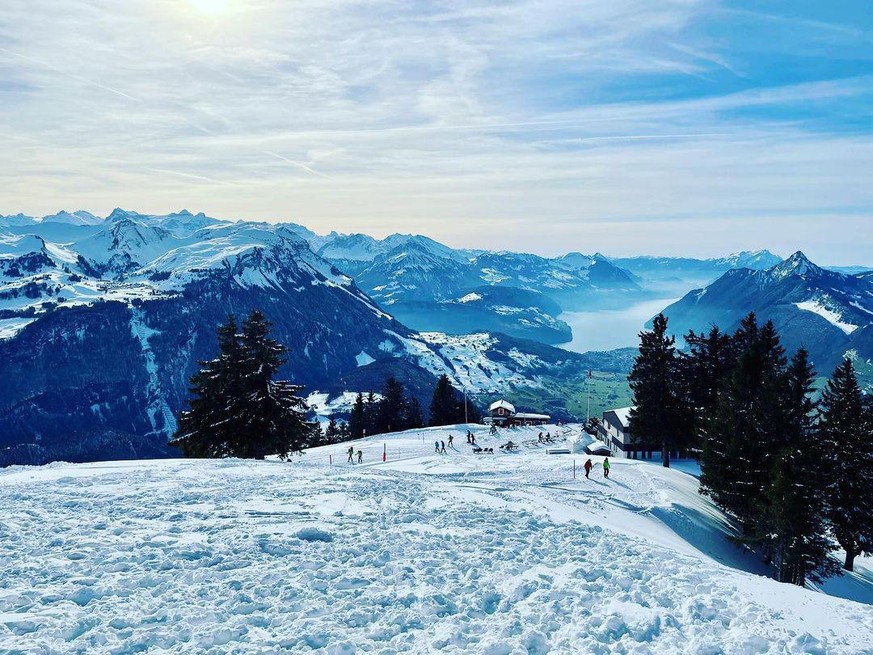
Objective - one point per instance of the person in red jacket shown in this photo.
(588, 466)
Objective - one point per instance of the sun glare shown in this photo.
(210, 7)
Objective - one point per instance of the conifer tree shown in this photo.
(274, 415)
(796, 525)
(413, 418)
(209, 427)
(238, 409)
(723, 458)
(357, 418)
(332, 431)
(705, 369)
(371, 414)
(443, 405)
(392, 407)
(742, 438)
(847, 432)
(658, 414)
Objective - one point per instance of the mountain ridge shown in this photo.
(827, 312)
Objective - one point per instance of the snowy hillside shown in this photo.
(455, 553)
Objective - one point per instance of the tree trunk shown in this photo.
(665, 454)
(850, 561)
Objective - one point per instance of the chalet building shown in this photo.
(503, 413)
(615, 432)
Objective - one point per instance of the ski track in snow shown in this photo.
(457, 553)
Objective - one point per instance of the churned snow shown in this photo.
(832, 317)
(424, 553)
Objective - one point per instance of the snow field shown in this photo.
(455, 553)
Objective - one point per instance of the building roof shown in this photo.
(622, 414)
(526, 415)
(509, 407)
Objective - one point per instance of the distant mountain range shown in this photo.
(102, 322)
(674, 274)
(828, 312)
(430, 286)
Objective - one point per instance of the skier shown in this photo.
(351, 454)
(360, 456)
(588, 466)
(606, 467)
(443, 447)
(436, 446)
(451, 440)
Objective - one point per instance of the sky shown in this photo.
(677, 127)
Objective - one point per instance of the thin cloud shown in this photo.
(189, 176)
(306, 168)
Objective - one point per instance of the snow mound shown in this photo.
(314, 534)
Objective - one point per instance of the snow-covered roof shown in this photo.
(504, 404)
(537, 417)
(622, 414)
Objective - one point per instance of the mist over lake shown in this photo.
(610, 329)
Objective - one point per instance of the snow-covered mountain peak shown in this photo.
(119, 214)
(798, 264)
(355, 247)
(17, 220)
(754, 259)
(578, 259)
(80, 217)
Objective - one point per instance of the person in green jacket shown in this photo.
(606, 467)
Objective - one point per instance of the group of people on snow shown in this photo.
(440, 448)
(589, 465)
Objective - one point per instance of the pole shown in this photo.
(466, 420)
(384, 452)
(331, 459)
(588, 413)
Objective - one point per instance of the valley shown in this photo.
(353, 311)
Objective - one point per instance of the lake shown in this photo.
(608, 329)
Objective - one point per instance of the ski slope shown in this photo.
(455, 553)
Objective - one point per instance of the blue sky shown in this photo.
(629, 126)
